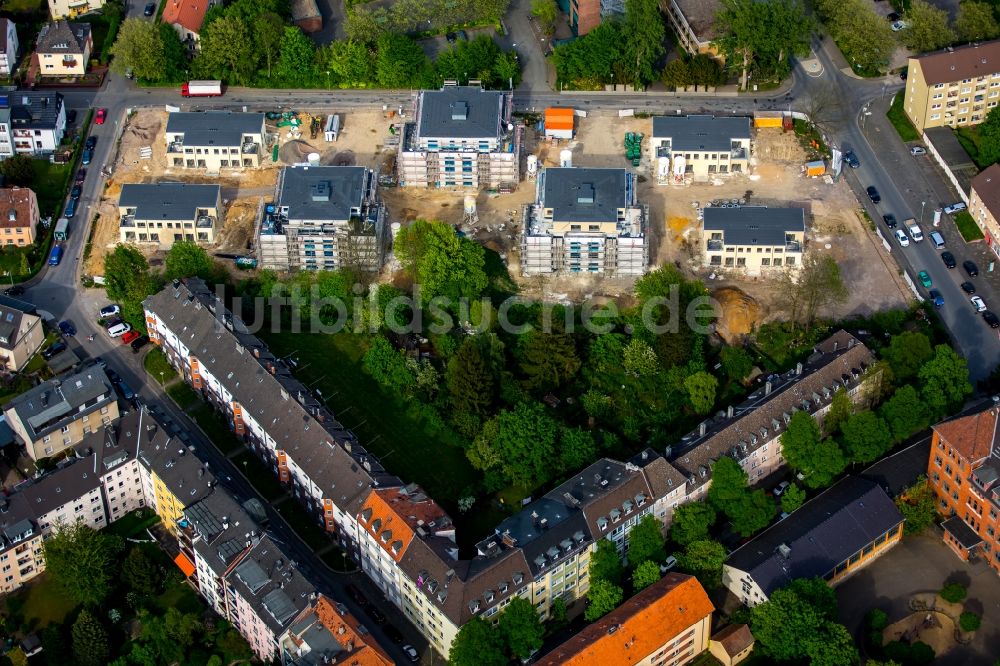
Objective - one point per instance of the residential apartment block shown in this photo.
(326, 633)
(954, 87)
(585, 220)
(963, 470)
(324, 217)
(21, 333)
(984, 205)
(19, 216)
(751, 432)
(841, 530)
(9, 47)
(58, 413)
(59, 9)
(174, 479)
(214, 140)
(702, 147)
(31, 122)
(464, 137)
(669, 622)
(63, 49)
(693, 21)
(162, 214)
(753, 239)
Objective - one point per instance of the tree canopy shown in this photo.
(866, 437)
(906, 353)
(918, 504)
(477, 644)
(605, 563)
(80, 560)
(989, 138)
(188, 259)
(645, 575)
(645, 542)
(760, 37)
(905, 413)
(441, 262)
(691, 522)
(602, 598)
(944, 381)
(926, 28)
(976, 21)
(704, 559)
(521, 628)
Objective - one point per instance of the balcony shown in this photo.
(716, 245)
(250, 148)
(127, 222)
(793, 246)
(175, 147)
(205, 222)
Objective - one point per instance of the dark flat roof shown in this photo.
(439, 111)
(323, 192)
(964, 535)
(584, 195)
(701, 132)
(168, 201)
(214, 128)
(754, 225)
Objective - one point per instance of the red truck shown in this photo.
(201, 89)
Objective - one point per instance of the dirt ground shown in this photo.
(934, 629)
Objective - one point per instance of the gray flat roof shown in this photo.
(461, 112)
(754, 225)
(322, 193)
(168, 201)
(214, 128)
(60, 398)
(585, 195)
(701, 132)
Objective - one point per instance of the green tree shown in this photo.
(399, 62)
(477, 644)
(268, 32)
(182, 628)
(801, 435)
(953, 592)
(817, 287)
(918, 504)
(644, 26)
(521, 628)
(226, 51)
(577, 449)
(905, 413)
(736, 363)
(18, 170)
(127, 279)
(822, 464)
(840, 411)
(645, 574)
(866, 437)
(704, 559)
(526, 438)
(832, 645)
(174, 54)
(792, 498)
(944, 381)
(691, 522)
(989, 138)
(701, 391)
(969, 621)
(547, 12)
(864, 36)
(387, 365)
(677, 74)
(729, 485)
(351, 62)
(645, 542)
(926, 27)
(139, 47)
(548, 360)
(441, 262)
(188, 259)
(706, 71)
(473, 374)
(298, 55)
(906, 353)
(90, 640)
(81, 561)
(592, 60)
(139, 572)
(976, 21)
(639, 359)
(602, 598)
(753, 514)
(785, 625)
(762, 36)
(605, 563)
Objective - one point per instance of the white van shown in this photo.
(119, 330)
(937, 239)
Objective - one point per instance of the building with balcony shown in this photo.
(32, 123)
(21, 333)
(585, 220)
(702, 147)
(693, 21)
(61, 9)
(9, 47)
(324, 217)
(669, 622)
(954, 87)
(186, 17)
(215, 140)
(63, 49)
(750, 432)
(463, 137)
(841, 530)
(325, 633)
(162, 214)
(752, 240)
(19, 216)
(984, 205)
(58, 413)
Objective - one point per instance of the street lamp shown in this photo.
(161, 377)
(922, 204)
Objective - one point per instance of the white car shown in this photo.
(954, 208)
(901, 236)
(668, 565)
(918, 150)
(978, 303)
(110, 311)
(898, 25)
(780, 488)
(411, 654)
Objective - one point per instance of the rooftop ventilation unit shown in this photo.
(460, 111)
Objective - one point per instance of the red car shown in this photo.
(129, 337)
(101, 115)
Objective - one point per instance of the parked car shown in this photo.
(925, 279)
(668, 564)
(393, 634)
(76, 191)
(81, 176)
(902, 238)
(125, 391)
(129, 336)
(114, 321)
(890, 220)
(377, 615)
(102, 114)
(898, 26)
(411, 653)
(936, 298)
(968, 288)
(970, 268)
(113, 376)
(893, 17)
(949, 259)
(88, 155)
(852, 159)
(150, 9)
(119, 329)
(780, 488)
(954, 208)
(357, 595)
(67, 328)
(873, 194)
(978, 303)
(16, 290)
(110, 311)
(91, 142)
(71, 116)
(139, 343)
(54, 349)
(991, 319)
(918, 150)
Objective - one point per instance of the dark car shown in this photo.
(356, 594)
(852, 159)
(969, 288)
(91, 142)
(149, 10)
(949, 259)
(113, 376)
(393, 634)
(450, 36)
(892, 17)
(139, 343)
(890, 220)
(71, 116)
(125, 391)
(67, 328)
(16, 290)
(936, 298)
(902, 74)
(111, 323)
(53, 350)
(81, 176)
(376, 615)
(970, 268)
(76, 192)
(88, 155)
(873, 194)
(991, 319)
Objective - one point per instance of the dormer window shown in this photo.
(627, 506)
(640, 499)
(489, 596)
(385, 536)
(602, 523)
(376, 525)
(518, 578)
(616, 515)
(366, 515)
(474, 606)
(504, 587)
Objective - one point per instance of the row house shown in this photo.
(954, 87)
(32, 123)
(325, 633)
(161, 214)
(214, 140)
(701, 147)
(21, 333)
(984, 205)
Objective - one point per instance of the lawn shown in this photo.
(302, 524)
(404, 445)
(967, 227)
(181, 597)
(19, 386)
(260, 477)
(213, 427)
(158, 367)
(182, 394)
(41, 603)
(50, 184)
(969, 138)
(133, 524)
(23, 6)
(896, 115)
(103, 30)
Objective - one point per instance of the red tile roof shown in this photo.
(188, 14)
(395, 515)
(637, 628)
(971, 436)
(360, 648)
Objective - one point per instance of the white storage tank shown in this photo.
(313, 159)
(566, 158)
(394, 228)
(470, 204)
(663, 167)
(532, 165)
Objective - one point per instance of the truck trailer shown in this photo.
(201, 89)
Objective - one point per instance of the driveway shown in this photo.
(523, 36)
(920, 564)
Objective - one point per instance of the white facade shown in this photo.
(8, 54)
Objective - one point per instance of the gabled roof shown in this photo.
(963, 62)
(584, 194)
(987, 186)
(734, 639)
(639, 627)
(33, 109)
(821, 534)
(271, 584)
(754, 225)
(13, 315)
(189, 14)
(63, 37)
(394, 516)
(460, 112)
(327, 634)
(700, 133)
(973, 436)
(16, 207)
(168, 201)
